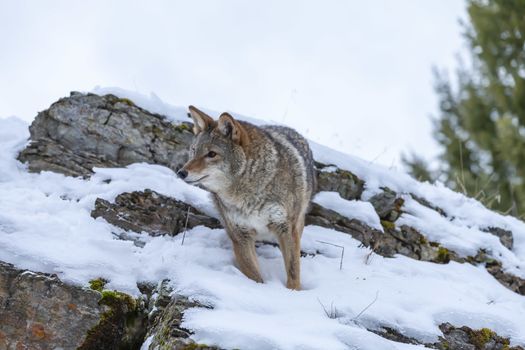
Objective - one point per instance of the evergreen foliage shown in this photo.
(481, 125)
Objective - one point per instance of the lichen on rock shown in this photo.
(331, 178)
(459, 338)
(454, 338)
(39, 311)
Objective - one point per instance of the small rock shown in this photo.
(512, 282)
(167, 332)
(387, 205)
(465, 338)
(330, 178)
(83, 131)
(160, 298)
(394, 335)
(151, 212)
(454, 338)
(403, 240)
(121, 326)
(505, 236)
(427, 204)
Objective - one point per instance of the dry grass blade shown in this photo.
(367, 307)
(333, 313)
(342, 252)
(185, 225)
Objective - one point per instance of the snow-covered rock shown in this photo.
(416, 255)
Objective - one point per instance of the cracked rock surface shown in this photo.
(151, 212)
(84, 131)
(38, 311)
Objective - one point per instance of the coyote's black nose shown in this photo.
(182, 173)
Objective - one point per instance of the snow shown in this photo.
(469, 216)
(454, 234)
(152, 103)
(45, 225)
(412, 297)
(147, 343)
(354, 209)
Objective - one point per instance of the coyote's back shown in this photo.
(295, 146)
(262, 180)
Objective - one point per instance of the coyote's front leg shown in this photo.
(243, 242)
(246, 257)
(290, 245)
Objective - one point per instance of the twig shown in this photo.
(292, 93)
(185, 225)
(368, 258)
(342, 252)
(324, 308)
(366, 308)
(379, 155)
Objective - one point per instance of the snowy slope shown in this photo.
(45, 225)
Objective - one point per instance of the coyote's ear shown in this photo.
(201, 121)
(229, 127)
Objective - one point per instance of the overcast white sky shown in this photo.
(355, 75)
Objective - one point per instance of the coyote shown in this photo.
(261, 180)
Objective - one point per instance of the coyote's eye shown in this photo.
(211, 154)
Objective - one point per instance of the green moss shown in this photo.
(156, 130)
(126, 101)
(443, 255)
(104, 331)
(345, 174)
(423, 240)
(480, 337)
(399, 203)
(182, 127)
(388, 225)
(491, 262)
(113, 298)
(120, 326)
(98, 284)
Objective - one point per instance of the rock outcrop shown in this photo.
(84, 131)
(471, 339)
(151, 212)
(455, 338)
(154, 213)
(39, 311)
(403, 240)
(331, 178)
(166, 332)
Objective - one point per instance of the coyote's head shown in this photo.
(216, 155)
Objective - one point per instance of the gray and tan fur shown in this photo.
(261, 179)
